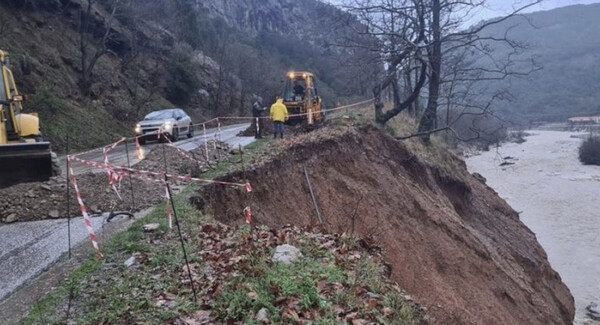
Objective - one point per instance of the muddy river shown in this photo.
(558, 199)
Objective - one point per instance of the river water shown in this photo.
(558, 199)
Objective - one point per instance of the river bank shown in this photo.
(557, 198)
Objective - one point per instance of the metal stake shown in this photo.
(68, 197)
(181, 239)
(312, 195)
(242, 161)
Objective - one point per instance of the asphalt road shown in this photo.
(28, 248)
(118, 156)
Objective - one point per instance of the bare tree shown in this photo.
(426, 37)
(91, 51)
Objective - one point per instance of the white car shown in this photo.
(173, 122)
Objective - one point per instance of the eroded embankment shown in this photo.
(452, 242)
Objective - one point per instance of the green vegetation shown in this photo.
(108, 291)
(589, 151)
(334, 280)
(182, 80)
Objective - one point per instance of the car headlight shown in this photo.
(167, 126)
(138, 129)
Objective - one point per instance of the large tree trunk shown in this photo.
(429, 120)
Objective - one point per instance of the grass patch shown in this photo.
(108, 292)
(334, 282)
(234, 162)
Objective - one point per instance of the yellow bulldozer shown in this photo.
(24, 155)
(300, 96)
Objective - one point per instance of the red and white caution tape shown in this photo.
(182, 152)
(86, 217)
(299, 114)
(168, 206)
(160, 175)
(248, 215)
(138, 149)
(113, 176)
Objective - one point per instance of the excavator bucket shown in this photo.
(25, 162)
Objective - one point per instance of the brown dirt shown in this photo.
(268, 129)
(43, 200)
(452, 242)
(178, 164)
(37, 201)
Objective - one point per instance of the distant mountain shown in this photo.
(565, 42)
(207, 56)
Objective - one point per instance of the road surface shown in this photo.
(118, 156)
(28, 248)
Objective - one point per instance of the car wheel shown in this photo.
(191, 131)
(142, 140)
(175, 134)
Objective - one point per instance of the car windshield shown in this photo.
(160, 115)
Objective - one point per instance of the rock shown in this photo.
(262, 315)
(593, 311)
(53, 214)
(235, 150)
(479, 177)
(46, 187)
(129, 262)
(11, 218)
(199, 317)
(95, 209)
(286, 254)
(30, 193)
(150, 227)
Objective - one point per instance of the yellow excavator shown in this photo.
(24, 156)
(300, 96)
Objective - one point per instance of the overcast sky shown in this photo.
(501, 7)
(497, 8)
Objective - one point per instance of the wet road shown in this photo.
(28, 248)
(118, 156)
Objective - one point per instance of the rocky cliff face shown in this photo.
(280, 16)
(453, 244)
(160, 56)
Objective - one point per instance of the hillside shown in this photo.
(452, 243)
(565, 43)
(200, 55)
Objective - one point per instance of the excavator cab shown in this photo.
(24, 156)
(301, 96)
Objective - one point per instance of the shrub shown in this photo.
(182, 80)
(589, 151)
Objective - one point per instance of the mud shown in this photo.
(452, 242)
(48, 200)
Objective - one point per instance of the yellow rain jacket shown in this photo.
(279, 112)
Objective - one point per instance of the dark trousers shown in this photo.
(278, 129)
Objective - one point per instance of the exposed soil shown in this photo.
(452, 242)
(179, 164)
(267, 129)
(43, 200)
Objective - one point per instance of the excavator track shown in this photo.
(25, 162)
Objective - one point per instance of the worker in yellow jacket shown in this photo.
(279, 114)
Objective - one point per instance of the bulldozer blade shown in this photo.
(25, 162)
